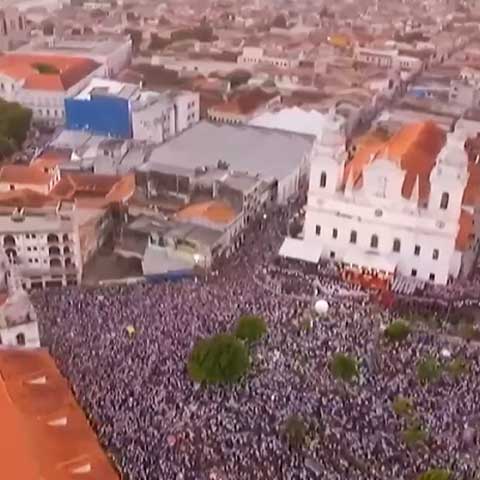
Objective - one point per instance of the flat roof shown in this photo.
(245, 148)
(105, 86)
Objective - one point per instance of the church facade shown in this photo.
(399, 206)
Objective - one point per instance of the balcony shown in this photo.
(52, 238)
(54, 250)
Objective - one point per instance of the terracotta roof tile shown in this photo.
(465, 231)
(213, 211)
(70, 70)
(25, 198)
(22, 174)
(414, 148)
(33, 394)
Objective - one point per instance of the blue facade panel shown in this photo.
(101, 115)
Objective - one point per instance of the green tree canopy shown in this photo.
(397, 331)
(295, 431)
(250, 328)
(435, 474)
(222, 358)
(428, 370)
(344, 367)
(402, 406)
(14, 123)
(414, 435)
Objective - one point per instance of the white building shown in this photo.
(18, 319)
(42, 83)
(252, 56)
(396, 208)
(387, 58)
(114, 53)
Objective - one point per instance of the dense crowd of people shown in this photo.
(158, 425)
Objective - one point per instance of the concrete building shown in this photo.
(400, 207)
(387, 58)
(13, 28)
(243, 106)
(252, 56)
(279, 158)
(50, 244)
(113, 52)
(125, 110)
(41, 83)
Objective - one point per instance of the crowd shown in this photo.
(158, 425)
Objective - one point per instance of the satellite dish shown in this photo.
(321, 307)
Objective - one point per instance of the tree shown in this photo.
(457, 367)
(238, 77)
(402, 406)
(344, 367)
(14, 125)
(250, 328)
(397, 331)
(435, 474)
(428, 370)
(222, 358)
(279, 21)
(414, 435)
(295, 431)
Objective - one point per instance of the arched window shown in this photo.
(323, 180)
(396, 245)
(374, 241)
(353, 236)
(444, 201)
(55, 263)
(20, 339)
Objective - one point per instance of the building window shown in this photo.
(318, 229)
(444, 201)
(12, 187)
(396, 245)
(332, 255)
(374, 241)
(416, 251)
(435, 254)
(353, 236)
(323, 180)
(20, 339)
(334, 233)
(432, 277)
(414, 272)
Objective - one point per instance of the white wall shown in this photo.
(30, 330)
(187, 106)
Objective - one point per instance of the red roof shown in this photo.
(66, 71)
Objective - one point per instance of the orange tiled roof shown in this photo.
(25, 198)
(414, 148)
(22, 174)
(50, 159)
(214, 211)
(34, 402)
(465, 231)
(70, 70)
(471, 195)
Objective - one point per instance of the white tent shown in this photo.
(299, 249)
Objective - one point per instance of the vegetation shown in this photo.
(45, 68)
(402, 406)
(428, 370)
(457, 367)
(250, 328)
(344, 367)
(397, 331)
(295, 431)
(222, 358)
(279, 21)
(238, 77)
(435, 474)
(414, 435)
(14, 126)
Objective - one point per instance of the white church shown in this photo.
(399, 207)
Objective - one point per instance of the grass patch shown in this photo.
(402, 406)
(428, 370)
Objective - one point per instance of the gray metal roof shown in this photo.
(272, 153)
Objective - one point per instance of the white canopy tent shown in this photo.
(300, 249)
(370, 260)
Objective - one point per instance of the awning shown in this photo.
(299, 249)
(370, 260)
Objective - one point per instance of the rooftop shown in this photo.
(44, 432)
(245, 103)
(271, 153)
(213, 211)
(44, 72)
(104, 86)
